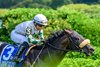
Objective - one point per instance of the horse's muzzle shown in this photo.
(88, 50)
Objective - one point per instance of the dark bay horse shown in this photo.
(55, 47)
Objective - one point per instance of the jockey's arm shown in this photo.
(33, 40)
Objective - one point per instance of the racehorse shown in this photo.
(54, 49)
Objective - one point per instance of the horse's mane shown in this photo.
(55, 35)
(60, 33)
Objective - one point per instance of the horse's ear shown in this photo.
(68, 31)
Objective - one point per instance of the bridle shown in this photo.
(72, 43)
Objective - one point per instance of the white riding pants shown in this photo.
(18, 38)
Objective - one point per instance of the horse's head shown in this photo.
(77, 42)
(69, 40)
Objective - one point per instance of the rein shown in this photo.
(38, 55)
(57, 48)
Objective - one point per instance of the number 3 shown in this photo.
(8, 54)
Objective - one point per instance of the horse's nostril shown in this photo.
(91, 50)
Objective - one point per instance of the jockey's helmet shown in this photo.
(40, 19)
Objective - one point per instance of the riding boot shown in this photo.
(21, 50)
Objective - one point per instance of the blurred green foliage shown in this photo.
(76, 18)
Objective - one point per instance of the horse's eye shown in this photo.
(76, 38)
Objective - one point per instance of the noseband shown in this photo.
(72, 43)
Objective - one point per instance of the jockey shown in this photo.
(29, 32)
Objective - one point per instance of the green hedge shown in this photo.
(58, 19)
(79, 62)
(16, 16)
(77, 59)
(83, 23)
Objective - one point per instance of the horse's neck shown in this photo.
(60, 43)
(49, 53)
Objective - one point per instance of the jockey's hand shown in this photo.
(43, 41)
(33, 45)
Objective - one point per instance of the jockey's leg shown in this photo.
(21, 50)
